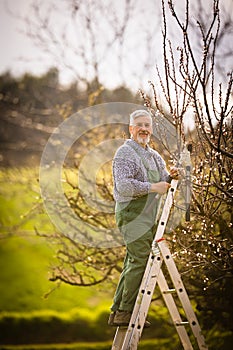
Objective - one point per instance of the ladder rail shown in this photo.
(142, 303)
(119, 338)
(165, 213)
(174, 313)
(182, 294)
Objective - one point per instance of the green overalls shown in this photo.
(137, 222)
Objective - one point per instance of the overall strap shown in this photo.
(145, 163)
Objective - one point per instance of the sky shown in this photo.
(20, 55)
(14, 44)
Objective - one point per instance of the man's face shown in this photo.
(141, 130)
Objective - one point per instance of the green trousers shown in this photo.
(137, 253)
(136, 221)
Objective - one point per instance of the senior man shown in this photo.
(140, 178)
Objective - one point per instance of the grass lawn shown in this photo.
(25, 258)
(143, 345)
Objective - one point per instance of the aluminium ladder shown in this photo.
(128, 338)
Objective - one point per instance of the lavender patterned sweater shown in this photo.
(130, 170)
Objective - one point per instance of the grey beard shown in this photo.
(143, 141)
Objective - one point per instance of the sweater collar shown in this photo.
(137, 147)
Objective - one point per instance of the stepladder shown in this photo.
(161, 263)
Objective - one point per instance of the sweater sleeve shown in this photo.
(129, 181)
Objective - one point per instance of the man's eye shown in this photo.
(147, 125)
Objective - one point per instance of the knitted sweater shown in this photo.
(131, 164)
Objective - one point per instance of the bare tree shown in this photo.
(199, 103)
(190, 94)
(90, 41)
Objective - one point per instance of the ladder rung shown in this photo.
(182, 323)
(168, 291)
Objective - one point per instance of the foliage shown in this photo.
(144, 345)
(49, 327)
(32, 107)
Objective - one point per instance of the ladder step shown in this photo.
(169, 291)
(183, 323)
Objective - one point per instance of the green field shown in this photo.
(33, 309)
(143, 345)
(25, 257)
(26, 293)
(44, 315)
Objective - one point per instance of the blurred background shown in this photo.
(60, 57)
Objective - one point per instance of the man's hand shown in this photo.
(160, 187)
(174, 173)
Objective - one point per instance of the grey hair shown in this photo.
(138, 113)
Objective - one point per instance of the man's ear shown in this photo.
(130, 129)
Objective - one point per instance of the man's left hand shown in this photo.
(174, 173)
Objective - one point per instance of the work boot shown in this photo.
(111, 318)
(122, 318)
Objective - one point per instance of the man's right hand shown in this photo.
(160, 187)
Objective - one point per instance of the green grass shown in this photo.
(24, 266)
(25, 297)
(143, 345)
(20, 203)
(25, 258)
